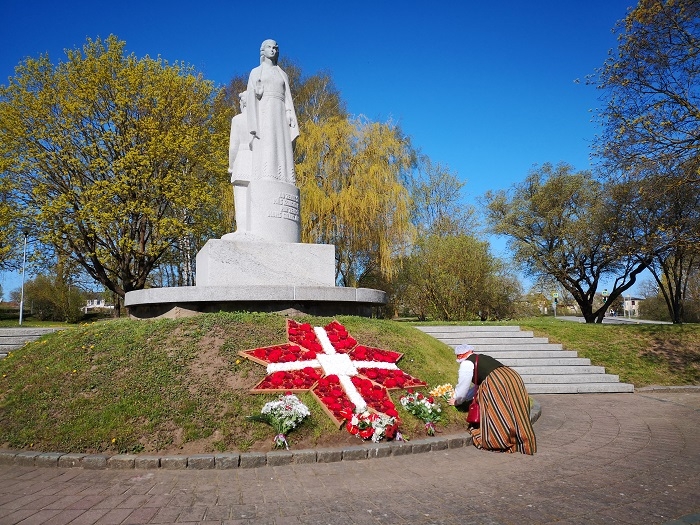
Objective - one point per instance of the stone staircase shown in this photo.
(14, 338)
(544, 366)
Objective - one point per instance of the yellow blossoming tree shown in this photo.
(114, 158)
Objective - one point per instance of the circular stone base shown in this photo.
(186, 301)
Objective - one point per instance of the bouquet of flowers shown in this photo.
(369, 425)
(283, 415)
(424, 408)
(445, 391)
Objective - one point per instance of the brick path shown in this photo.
(603, 458)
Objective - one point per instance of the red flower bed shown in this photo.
(330, 393)
(303, 334)
(367, 353)
(371, 383)
(339, 337)
(285, 353)
(391, 378)
(294, 380)
(376, 396)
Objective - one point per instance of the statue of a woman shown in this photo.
(271, 118)
(240, 162)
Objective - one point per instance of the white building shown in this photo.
(630, 306)
(96, 304)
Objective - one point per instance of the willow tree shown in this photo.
(349, 175)
(114, 157)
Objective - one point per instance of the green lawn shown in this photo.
(132, 386)
(642, 354)
(148, 386)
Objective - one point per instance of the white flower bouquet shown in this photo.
(284, 415)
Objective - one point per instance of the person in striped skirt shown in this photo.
(504, 403)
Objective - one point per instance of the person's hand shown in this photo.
(451, 401)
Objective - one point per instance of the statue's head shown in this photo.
(242, 100)
(269, 49)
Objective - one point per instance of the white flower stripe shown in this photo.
(375, 364)
(339, 364)
(336, 363)
(293, 365)
(323, 339)
(352, 393)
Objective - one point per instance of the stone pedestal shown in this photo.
(243, 272)
(262, 267)
(233, 261)
(271, 212)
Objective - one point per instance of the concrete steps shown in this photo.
(544, 366)
(14, 338)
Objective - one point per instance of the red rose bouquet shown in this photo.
(368, 425)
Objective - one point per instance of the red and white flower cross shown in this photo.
(345, 377)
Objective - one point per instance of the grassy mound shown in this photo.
(180, 386)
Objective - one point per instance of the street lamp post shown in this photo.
(24, 263)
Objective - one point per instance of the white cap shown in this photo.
(463, 349)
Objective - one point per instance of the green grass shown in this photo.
(13, 322)
(180, 385)
(642, 354)
(146, 386)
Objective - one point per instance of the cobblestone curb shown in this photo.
(234, 460)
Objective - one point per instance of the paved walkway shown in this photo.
(609, 319)
(603, 458)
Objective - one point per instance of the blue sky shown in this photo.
(487, 88)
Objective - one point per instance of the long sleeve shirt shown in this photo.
(465, 390)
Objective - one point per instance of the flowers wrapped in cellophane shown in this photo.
(284, 415)
(445, 391)
(424, 408)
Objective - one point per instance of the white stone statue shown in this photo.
(261, 158)
(271, 118)
(240, 165)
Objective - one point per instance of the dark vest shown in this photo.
(485, 366)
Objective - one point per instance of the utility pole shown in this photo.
(25, 231)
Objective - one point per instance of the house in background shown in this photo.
(630, 306)
(96, 304)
